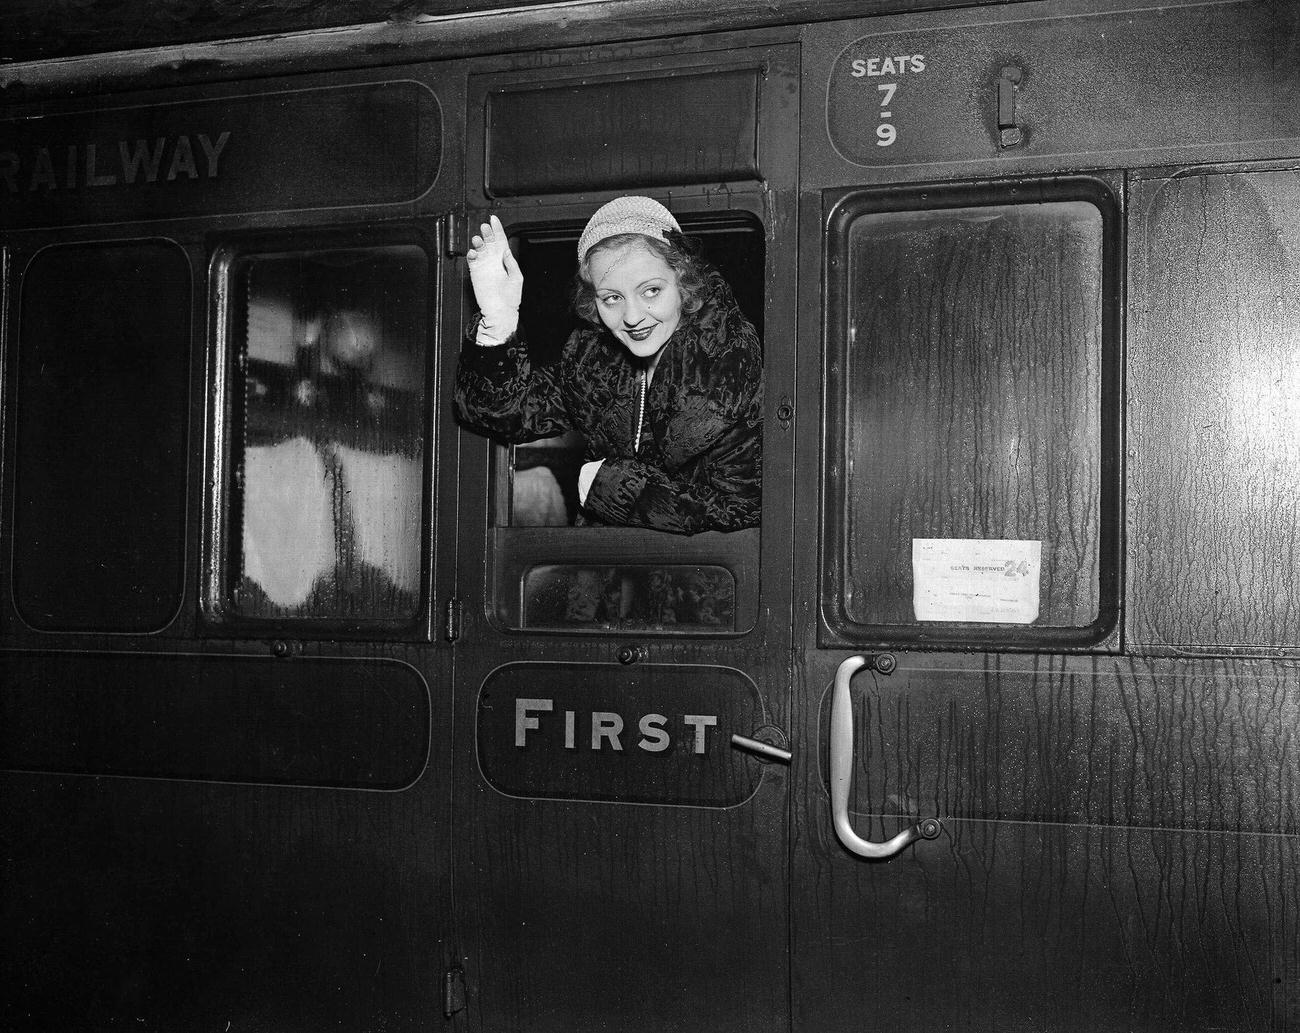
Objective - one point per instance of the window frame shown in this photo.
(509, 552)
(216, 617)
(841, 208)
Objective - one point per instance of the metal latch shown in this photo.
(767, 743)
(455, 610)
(455, 235)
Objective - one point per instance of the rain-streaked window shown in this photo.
(327, 438)
(968, 411)
(1214, 336)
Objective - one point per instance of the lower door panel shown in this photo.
(623, 866)
(1119, 849)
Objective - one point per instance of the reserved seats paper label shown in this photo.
(975, 580)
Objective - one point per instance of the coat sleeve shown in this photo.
(499, 392)
(724, 492)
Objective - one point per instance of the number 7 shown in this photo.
(887, 88)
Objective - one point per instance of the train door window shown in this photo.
(552, 575)
(325, 394)
(100, 469)
(971, 441)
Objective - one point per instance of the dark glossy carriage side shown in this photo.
(313, 713)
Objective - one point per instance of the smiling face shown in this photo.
(637, 297)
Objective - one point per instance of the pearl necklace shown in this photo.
(640, 415)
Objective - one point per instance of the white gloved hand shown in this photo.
(497, 280)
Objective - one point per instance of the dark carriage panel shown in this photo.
(100, 439)
(368, 144)
(359, 724)
(228, 872)
(1047, 86)
(1030, 927)
(655, 131)
(661, 883)
(1167, 744)
(181, 905)
(1214, 408)
(1119, 842)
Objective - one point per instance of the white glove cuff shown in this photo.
(495, 327)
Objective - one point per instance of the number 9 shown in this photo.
(886, 134)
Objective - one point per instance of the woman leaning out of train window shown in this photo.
(666, 382)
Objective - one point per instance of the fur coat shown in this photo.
(699, 464)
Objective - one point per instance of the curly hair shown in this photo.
(679, 252)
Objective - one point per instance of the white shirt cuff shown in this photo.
(585, 476)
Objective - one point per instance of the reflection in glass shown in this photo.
(327, 506)
(630, 597)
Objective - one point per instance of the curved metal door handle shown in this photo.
(842, 775)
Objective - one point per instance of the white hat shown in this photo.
(627, 215)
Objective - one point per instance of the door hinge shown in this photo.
(454, 235)
(453, 991)
(1010, 131)
(452, 627)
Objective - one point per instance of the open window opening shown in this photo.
(537, 482)
(552, 575)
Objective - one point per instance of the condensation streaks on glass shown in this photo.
(973, 396)
(1215, 411)
(327, 507)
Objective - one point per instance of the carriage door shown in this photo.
(956, 870)
(621, 861)
(1046, 731)
(1024, 826)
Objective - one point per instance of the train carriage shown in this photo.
(317, 712)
